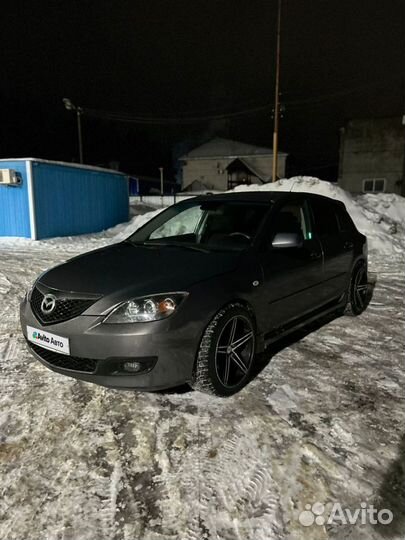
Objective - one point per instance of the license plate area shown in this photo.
(47, 340)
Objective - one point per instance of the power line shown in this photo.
(124, 117)
(202, 118)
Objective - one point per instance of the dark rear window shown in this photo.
(325, 217)
(345, 221)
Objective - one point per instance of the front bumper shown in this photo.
(98, 351)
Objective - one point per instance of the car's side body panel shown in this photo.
(292, 277)
(281, 287)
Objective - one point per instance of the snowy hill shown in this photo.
(380, 217)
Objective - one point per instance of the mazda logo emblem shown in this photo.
(48, 304)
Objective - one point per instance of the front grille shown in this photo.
(87, 365)
(65, 309)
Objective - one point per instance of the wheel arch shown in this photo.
(247, 305)
(203, 364)
(360, 259)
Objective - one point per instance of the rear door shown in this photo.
(337, 246)
(292, 276)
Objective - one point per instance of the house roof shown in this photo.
(248, 166)
(196, 184)
(65, 164)
(221, 148)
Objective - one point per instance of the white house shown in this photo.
(222, 164)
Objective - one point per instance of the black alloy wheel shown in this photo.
(226, 352)
(358, 290)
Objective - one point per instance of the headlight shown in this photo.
(147, 308)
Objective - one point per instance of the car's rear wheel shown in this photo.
(358, 290)
(226, 352)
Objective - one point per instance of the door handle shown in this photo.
(348, 245)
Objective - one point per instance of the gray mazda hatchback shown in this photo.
(198, 291)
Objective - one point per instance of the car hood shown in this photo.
(138, 270)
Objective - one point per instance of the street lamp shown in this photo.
(79, 111)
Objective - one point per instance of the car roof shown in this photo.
(258, 196)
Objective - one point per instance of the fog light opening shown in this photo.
(133, 367)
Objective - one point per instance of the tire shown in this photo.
(357, 291)
(218, 370)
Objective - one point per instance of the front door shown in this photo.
(292, 275)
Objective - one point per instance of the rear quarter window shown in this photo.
(345, 221)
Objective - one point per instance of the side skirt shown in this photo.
(283, 331)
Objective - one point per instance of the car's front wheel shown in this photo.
(226, 352)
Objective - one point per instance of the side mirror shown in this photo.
(287, 240)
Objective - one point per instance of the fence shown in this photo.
(158, 200)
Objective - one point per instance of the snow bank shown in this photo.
(380, 217)
(5, 285)
(122, 231)
(84, 242)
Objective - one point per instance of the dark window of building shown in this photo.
(379, 185)
(374, 185)
(368, 185)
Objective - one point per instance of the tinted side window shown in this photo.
(293, 217)
(325, 218)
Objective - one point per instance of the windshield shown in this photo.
(216, 225)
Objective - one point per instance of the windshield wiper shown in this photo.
(140, 244)
(177, 245)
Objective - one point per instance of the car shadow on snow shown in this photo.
(263, 359)
(182, 389)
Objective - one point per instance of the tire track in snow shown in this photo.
(65, 474)
(229, 484)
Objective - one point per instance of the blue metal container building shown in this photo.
(60, 199)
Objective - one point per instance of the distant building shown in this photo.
(372, 156)
(43, 199)
(222, 164)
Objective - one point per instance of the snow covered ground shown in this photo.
(323, 421)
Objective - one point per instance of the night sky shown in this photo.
(340, 59)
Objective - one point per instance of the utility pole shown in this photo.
(276, 97)
(79, 112)
(161, 184)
